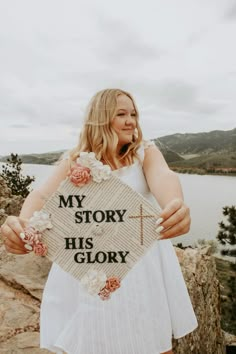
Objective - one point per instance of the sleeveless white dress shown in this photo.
(152, 305)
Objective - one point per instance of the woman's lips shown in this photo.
(128, 130)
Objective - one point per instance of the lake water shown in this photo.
(206, 195)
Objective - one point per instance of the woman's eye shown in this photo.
(123, 114)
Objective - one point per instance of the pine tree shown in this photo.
(227, 233)
(12, 174)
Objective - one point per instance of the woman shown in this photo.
(154, 303)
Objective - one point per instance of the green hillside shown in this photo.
(224, 160)
(222, 163)
(213, 152)
(201, 143)
(41, 159)
(168, 154)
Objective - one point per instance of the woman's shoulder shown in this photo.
(64, 156)
(147, 143)
(144, 148)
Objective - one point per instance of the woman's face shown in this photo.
(124, 122)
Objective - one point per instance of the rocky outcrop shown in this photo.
(230, 340)
(22, 280)
(21, 284)
(9, 204)
(199, 271)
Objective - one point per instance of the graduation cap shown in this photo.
(100, 229)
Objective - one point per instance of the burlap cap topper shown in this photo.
(117, 222)
(95, 227)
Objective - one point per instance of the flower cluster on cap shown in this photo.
(32, 235)
(97, 283)
(87, 167)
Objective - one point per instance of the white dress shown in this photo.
(151, 306)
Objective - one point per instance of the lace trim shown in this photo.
(148, 143)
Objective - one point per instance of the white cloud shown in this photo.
(177, 58)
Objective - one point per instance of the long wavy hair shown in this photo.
(97, 134)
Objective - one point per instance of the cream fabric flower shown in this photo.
(86, 158)
(94, 281)
(99, 172)
(40, 221)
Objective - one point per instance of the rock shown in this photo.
(230, 339)
(199, 271)
(23, 279)
(23, 343)
(9, 204)
(5, 192)
(25, 272)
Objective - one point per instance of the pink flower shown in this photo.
(30, 236)
(104, 294)
(40, 249)
(112, 284)
(79, 175)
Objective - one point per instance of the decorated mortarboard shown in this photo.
(94, 226)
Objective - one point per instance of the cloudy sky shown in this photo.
(177, 58)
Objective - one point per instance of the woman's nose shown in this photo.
(130, 119)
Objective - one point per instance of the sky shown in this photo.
(177, 58)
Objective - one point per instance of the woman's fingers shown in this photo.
(176, 219)
(176, 230)
(16, 251)
(16, 224)
(10, 236)
(171, 208)
(10, 231)
(12, 242)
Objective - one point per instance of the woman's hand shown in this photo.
(174, 219)
(10, 234)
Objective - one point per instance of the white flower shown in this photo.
(86, 158)
(93, 281)
(99, 172)
(40, 221)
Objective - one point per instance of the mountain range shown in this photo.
(215, 150)
(201, 143)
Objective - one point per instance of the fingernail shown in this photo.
(159, 221)
(159, 229)
(22, 235)
(28, 247)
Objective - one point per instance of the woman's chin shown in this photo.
(126, 140)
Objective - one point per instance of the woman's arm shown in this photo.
(164, 184)
(13, 225)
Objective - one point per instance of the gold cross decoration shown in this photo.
(141, 217)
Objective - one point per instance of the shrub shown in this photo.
(12, 174)
(227, 233)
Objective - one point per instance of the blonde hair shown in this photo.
(98, 135)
